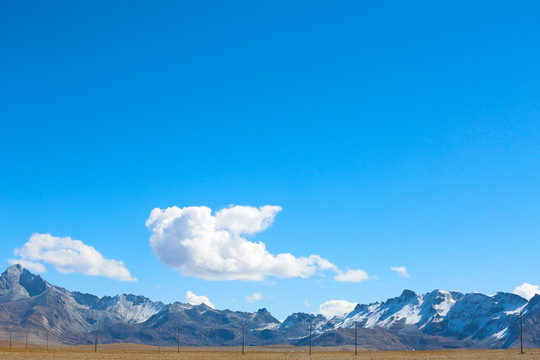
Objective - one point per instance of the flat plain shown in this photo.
(140, 352)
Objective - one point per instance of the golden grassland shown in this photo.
(142, 352)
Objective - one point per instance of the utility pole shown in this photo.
(521, 329)
(178, 340)
(159, 340)
(10, 339)
(26, 346)
(95, 341)
(243, 339)
(310, 331)
(355, 338)
(47, 339)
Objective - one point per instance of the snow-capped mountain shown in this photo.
(131, 309)
(408, 311)
(435, 320)
(490, 321)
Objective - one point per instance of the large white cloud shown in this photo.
(527, 290)
(352, 276)
(212, 246)
(67, 256)
(332, 308)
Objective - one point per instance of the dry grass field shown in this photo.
(140, 352)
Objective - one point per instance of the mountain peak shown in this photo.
(18, 283)
(408, 294)
(534, 301)
(14, 271)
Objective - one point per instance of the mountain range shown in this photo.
(435, 320)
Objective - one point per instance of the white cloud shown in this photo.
(401, 271)
(211, 246)
(255, 297)
(29, 265)
(306, 303)
(527, 290)
(332, 308)
(246, 219)
(352, 276)
(193, 299)
(67, 256)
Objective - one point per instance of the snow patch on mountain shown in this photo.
(134, 310)
(271, 326)
(501, 334)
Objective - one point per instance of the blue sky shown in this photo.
(390, 134)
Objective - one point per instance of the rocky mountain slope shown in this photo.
(435, 320)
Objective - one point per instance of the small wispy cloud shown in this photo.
(332, 308)
(401, 271)
(352, 276)
(255, 297)
(527, 290)
(193, 299)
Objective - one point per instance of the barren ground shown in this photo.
(141, 352)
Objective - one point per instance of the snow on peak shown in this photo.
(409, 309)
(133, 309)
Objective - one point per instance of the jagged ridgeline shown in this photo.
(436, 320)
